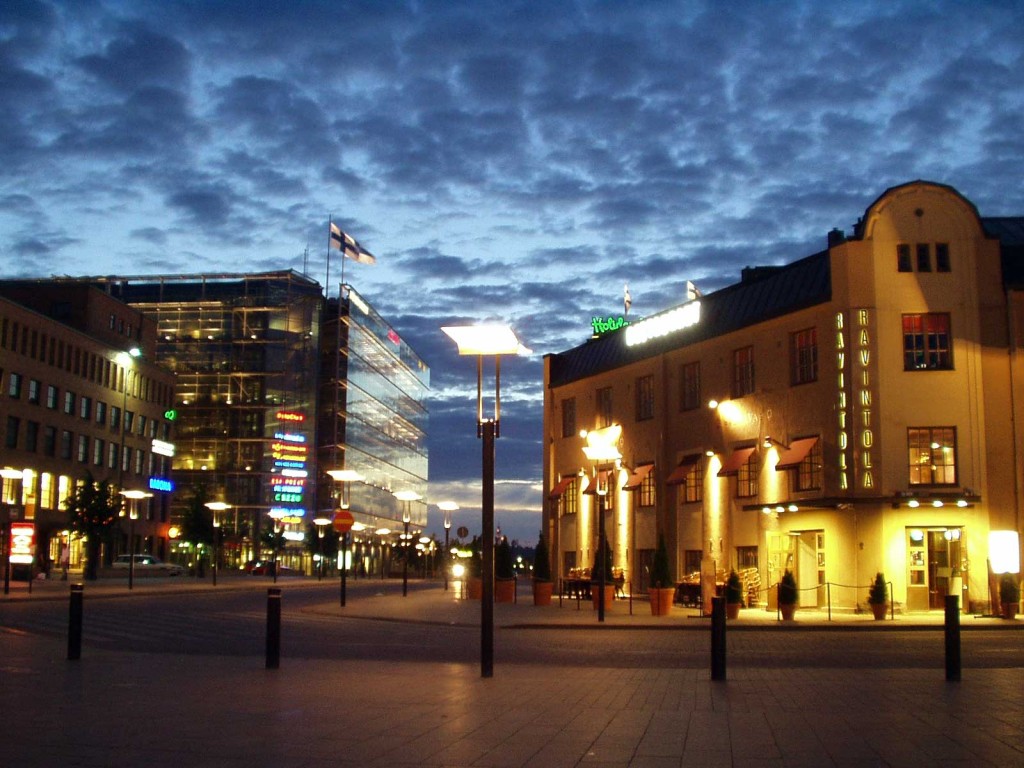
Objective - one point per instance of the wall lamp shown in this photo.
(769, 441)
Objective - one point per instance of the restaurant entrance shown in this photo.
(934, 567)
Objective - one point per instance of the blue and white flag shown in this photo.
(349, 246)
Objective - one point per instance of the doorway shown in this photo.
(934, 561)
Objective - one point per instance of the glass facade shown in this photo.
(379, 424)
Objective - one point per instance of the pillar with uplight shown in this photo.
(215, 507)
(447, 507)
(320, 523)
(133, 514)
(407, 497)
(276, 515)
(481, 341)
(343, 519)
(602, 450)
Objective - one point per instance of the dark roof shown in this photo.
(762, 295)
(1010, 232)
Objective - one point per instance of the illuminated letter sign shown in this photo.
(663, 324)
(163, 449)
(601, 326)
(864, 399)
(842, 438)
(23, 543)
(290, 416)
(160, 484)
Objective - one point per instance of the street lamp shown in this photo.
(344, 476)
(215, 507)
(602, 448)
(320, 522)
(481, 340)
(447, 507)
(126, 360)
(276, 515)
(133, 515)
(9, 509)
(408, 497)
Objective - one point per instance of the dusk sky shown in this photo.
(512, 161)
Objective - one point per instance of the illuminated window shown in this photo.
(693, 485)
(746, 478)
(742, 371)
(33, 391)
(808, 473)
(931, 455)
(691, 562)
(926, 342)
(568, 502)
(647, 491)
(644, 398)
(689, 376)
(569, 417)
(604, 407)
(803, 356)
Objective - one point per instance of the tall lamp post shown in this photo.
(602, 448)
(9, 510)
(344, 477)
(481, 341)
(276, 516)
(126, 360)
(215, 507)
(408, 497)
(447, 507)
(133, 515)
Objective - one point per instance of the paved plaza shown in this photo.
(121, 709)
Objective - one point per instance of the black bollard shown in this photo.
(952, 637)
(718, 638)
(75, 623)
(273, 627)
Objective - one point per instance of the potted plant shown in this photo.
(662, 589)
(474, 568)
(504, 573)
(1009, 595)
(878, 595)
(542, 584)
(602, 567)
(733, 595)
(787, 595)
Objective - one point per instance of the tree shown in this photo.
(197, 524)
(93, 508)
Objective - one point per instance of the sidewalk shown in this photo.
(128, 709)
(448, 609)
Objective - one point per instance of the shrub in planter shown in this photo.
(542, 585)
(878, 595)
(1009, 595)
(602, 565)
(733, 595)
(788, 595)
(504, 573)
(662, 588)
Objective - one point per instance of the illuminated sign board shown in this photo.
(854, 401)
(290, 416)
(864, 426)
(290, 453)
(161, 484)
(661, 325)
(171, 415)
(842, 433)
(601, 325)
(23, 543)
(163, 449)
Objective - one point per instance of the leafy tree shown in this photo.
(661, 569)
(504, 566)
(197, 524)
(541, 561)
(93, 508)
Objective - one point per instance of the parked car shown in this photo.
(266, 568)
(149, 564)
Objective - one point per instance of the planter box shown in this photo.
(661, 600)
(788, 611)
(504, 590)
(542, 592)
(732, 610)
(609, 593)
(475, 588)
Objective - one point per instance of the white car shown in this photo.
(149, 564)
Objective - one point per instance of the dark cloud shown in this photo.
(507, 160)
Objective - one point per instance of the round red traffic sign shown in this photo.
(343, 521)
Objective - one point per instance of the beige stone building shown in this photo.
(73, 400)
(866, 403)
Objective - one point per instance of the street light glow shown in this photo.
(486, 339)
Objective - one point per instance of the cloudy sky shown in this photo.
(518, 161)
